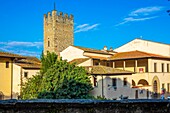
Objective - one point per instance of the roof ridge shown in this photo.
(151, 41)
(86, 47)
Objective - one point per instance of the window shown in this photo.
(48, 43)
(114, 82)
(25, 74)
(7, 64)
(125, 82)
(167, 67)
(96, 62)
(162, 67)
(108, 64)
(95, 81)
(168, 87)
(155, 67)
(163, 85)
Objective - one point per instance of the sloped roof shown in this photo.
(29, 65)
(98, 70)
(134, 55)
(93, 50)
(30, 59)
(23, 61)
(79, 60)
(10, 55)
(97, 57)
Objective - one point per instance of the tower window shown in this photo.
(48, 43)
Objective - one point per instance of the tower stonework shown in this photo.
(58, 32)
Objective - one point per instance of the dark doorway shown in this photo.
(155, 89)
(136, 94)
(147, 93)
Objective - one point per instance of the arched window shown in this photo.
(155, 87)
(143, 82)
(133, 83)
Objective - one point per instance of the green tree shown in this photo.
(58, 80)
(47, 61)
(30, 89)
(65, 80)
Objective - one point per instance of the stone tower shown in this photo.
(58, 32)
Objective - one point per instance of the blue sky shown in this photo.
(97, 22)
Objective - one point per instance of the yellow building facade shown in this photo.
(14, 70)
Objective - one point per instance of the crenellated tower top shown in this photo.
(58, 17)
(58, 31)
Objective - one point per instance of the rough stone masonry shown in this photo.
(85, 106)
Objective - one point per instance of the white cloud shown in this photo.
(142, 14)
(82, 26)
(132, 19)
(21, 52)
(22, 44)
(85, 27)
(28, 53)
(22, 48)
(146, 11)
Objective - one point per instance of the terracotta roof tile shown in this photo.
(29, 62)
(106, 70)
(135, 54)
(79, 60)
(98, 57)
(29, 66)
(29, 59)
(10, 55)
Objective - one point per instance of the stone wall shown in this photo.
(84, 106)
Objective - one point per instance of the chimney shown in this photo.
(105, 48)
(111, 49)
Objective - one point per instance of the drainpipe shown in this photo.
(102, 88)
(12, 77)
(21, 82)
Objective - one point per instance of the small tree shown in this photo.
(58, 79)
(65, 80)
(30, 90)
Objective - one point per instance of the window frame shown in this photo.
(95, 84)
(7, 64)
(163, 67)
(155, 67)
(26, 74)
(168, 87)
(114, 82)
(167, 67)
(125, 82)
